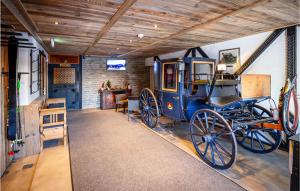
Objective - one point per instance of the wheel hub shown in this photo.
(207, 138)
(146, 107)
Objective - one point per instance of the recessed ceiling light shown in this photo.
(117, 48)
(130, 41)
(140, 35)
(155, 26)
(56, 22)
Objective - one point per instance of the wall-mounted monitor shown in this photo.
(116, 64)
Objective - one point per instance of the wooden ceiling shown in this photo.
(110, 27)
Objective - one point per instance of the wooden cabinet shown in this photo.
(107, 98)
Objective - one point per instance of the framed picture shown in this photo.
(230, 57)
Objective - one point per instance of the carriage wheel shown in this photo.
(257, 139)
(149, 108)
(213, 139)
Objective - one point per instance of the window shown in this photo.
(169, 80)
(203, 71)
(38, 72)
(34, 71)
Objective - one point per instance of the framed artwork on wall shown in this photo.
(231, 58)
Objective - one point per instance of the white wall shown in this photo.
(23, 65)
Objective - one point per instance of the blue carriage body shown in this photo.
(193, 90)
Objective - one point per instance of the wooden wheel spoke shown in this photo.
(148, 117)
(213, 123)
(219, 154)
(268, 140)
(195, 125)
(200, 122)
(212, 151)
(205, 151)
(144, 102)
(152, 113)
(143, 96)
(245, 136)
(223, 149)
(259, 141)
(206, 121)
(251, 139)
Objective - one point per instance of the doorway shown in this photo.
(65, 81)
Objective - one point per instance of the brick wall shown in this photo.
(94, 73)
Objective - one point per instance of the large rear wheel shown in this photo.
(255, 138)
(149, 108)
(213, 139)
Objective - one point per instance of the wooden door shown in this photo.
(64, 81)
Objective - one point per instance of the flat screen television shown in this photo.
(116, 64)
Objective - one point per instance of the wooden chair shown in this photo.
(121, 101)
(53, 121)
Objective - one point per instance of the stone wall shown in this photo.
(94, 73)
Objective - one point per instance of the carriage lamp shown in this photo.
(221, 68)
(181, 66)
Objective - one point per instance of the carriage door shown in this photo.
(170, 97)
(64, 81)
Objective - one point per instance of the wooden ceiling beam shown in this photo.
(18, 10)
(200, 25)
(118, 14)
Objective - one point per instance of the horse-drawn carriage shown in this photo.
(219, 113)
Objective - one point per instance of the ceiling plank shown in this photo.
(18, 10)
(200, 25)
(119, 13)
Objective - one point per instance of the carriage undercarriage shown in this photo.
(216, 129)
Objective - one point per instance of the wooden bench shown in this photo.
(53, 121)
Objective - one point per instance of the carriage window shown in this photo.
(203, 71)
(169, 77)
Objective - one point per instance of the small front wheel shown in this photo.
(213, 139)
(149, 108)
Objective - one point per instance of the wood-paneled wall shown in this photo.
(30, 128)
(4, 159)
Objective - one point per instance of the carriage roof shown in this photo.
(187, 59)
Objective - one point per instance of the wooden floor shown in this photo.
(252, 171)
(49, 171)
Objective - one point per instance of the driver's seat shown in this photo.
(224, 101)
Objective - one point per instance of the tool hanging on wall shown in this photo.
(14, 129)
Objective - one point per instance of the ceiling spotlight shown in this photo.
(52, 42)
(140, 35)
(117, 48)
(56, 22)
(155, 26)
(130, 41)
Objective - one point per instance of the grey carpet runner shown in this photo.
(109, 153)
